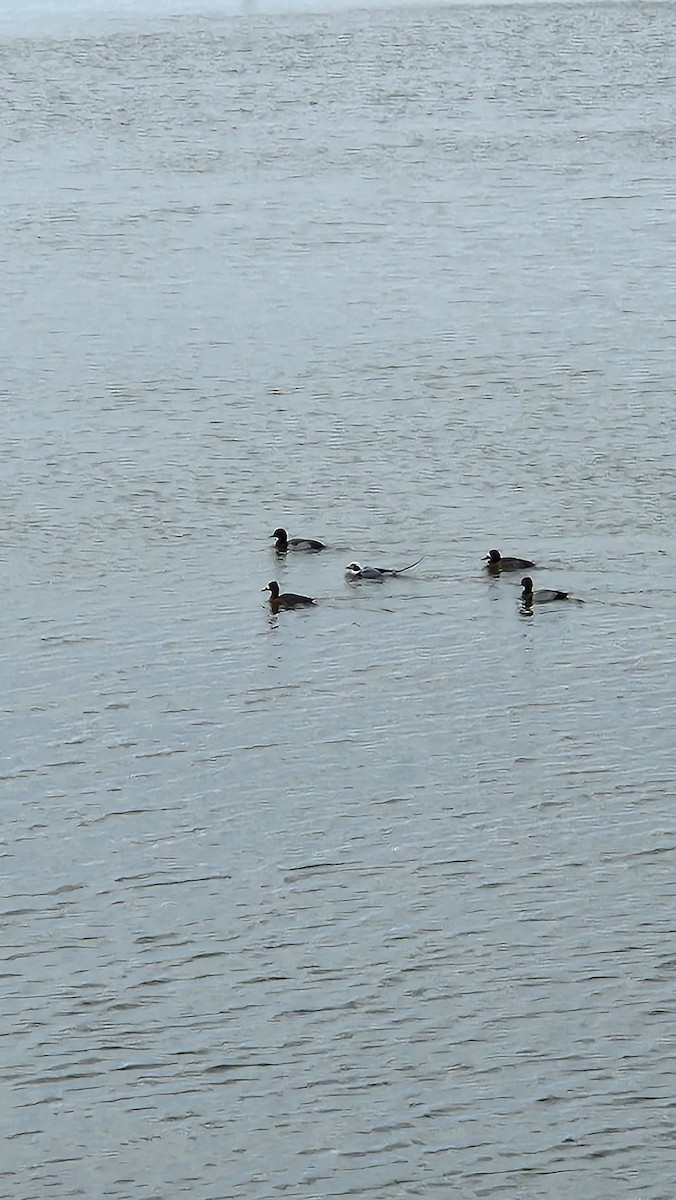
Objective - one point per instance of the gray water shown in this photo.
(374, 900)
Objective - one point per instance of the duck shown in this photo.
(355, 571)
(284, 543)
(541, 596)
(285, 599)
(495, 562)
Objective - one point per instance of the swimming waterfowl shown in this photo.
(495, 562)
(286, 599)
(355, 571)
(541, 596)
(284, 543)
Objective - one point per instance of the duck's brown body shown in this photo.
(282, 600)
(496, 563)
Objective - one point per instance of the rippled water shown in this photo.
(375, 899)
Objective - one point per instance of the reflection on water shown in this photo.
(374, 898)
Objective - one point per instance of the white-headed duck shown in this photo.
(355, 571)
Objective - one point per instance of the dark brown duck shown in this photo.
(282, 600)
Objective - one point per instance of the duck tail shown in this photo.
(410, 565)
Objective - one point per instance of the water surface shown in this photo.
(376, 899)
